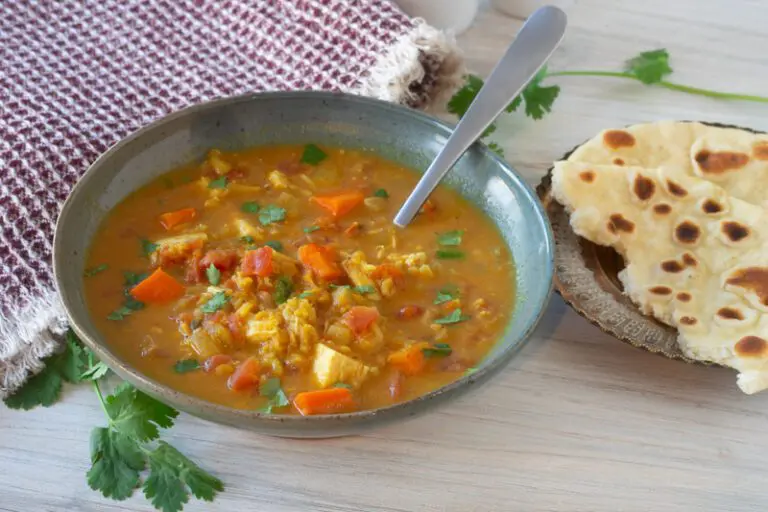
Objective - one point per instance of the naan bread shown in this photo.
(734, 159)
(696, 256)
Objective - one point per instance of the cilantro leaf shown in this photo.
(186, 365)
(172, 476)
(496, 148)
(272, 390)
(364, 289)
(649, 67)
(463, 98)
(270, 214)
(250, 207)
(132, 278)
(218, 183)
(304, 295)
(381, 193)
(310, 229)
(449, 254)
(312, 155)
(90, 272)
(147, 247)
(95, 372)
(538, 99)
(454, 318)
(116, 462)
(213, 274)
(44, 388)
(136, 414)
(215, 303)
(247, 239)
(342, 385)
(450, 237)
(275, 245)
(283, 289)
(446, 294)
(437, 350)
(41, 389)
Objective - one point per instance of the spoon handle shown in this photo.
(532, 47)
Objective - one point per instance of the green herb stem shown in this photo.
(667, 85)
(97, 388)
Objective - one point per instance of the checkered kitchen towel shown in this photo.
(78, 75)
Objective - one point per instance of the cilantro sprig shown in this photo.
(126, 453)
(649, 68)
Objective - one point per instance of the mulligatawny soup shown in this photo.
(273, 279)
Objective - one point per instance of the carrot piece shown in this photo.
(321, 260)
(386, 270)
(213, 362)
(246, 375)
(409, 360)
(361, 318)
(341, 203)
(258, 262)
(158, 287)
(324, 401)
(170, 220)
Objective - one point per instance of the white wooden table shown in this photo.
(578, 421)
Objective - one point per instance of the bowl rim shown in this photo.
(231, 415)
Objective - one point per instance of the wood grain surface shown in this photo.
(578, 421)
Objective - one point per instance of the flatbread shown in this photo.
(696, 256)
(734, 159)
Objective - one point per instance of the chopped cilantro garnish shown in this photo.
(449, 254)
(275, 245)
(450, 237)
(364, 289)
(250, 207)
(272, 390)
(215, 303)
(129, 306)
(446, 294)
(95, 270)
(310, 229)
(283, 289)
(247, 239)
(218, 183)
(304, 295)
(381, 193)
(186, 365)
(454, 318)
(270, 214)
(213, 274)
(342, 385)
(312, 155)
(437, 350)
(148, 247)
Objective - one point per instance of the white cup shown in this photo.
(524, 8)
(451, 15)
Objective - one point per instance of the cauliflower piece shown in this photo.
(177, 248)
(331, 367)
(245, 228)
(217, 162)
(358, 270)
(285, 265)
(263, 326)
(414, 264)
(300, 318)
(278, 180)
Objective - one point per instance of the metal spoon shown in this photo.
(532, 47)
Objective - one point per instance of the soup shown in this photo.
(273, 279)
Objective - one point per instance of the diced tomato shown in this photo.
(212, 362)
(195, 271)
(220, 258)
(258, 262)
(246, 375)
(410, 311)
(361, 318)
(428, 207)
(177, 254)
(386, 270)
(236, 328)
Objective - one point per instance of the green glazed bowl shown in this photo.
(397, 133)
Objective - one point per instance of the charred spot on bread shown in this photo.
(718, 162)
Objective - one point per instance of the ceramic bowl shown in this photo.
(406, 136)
